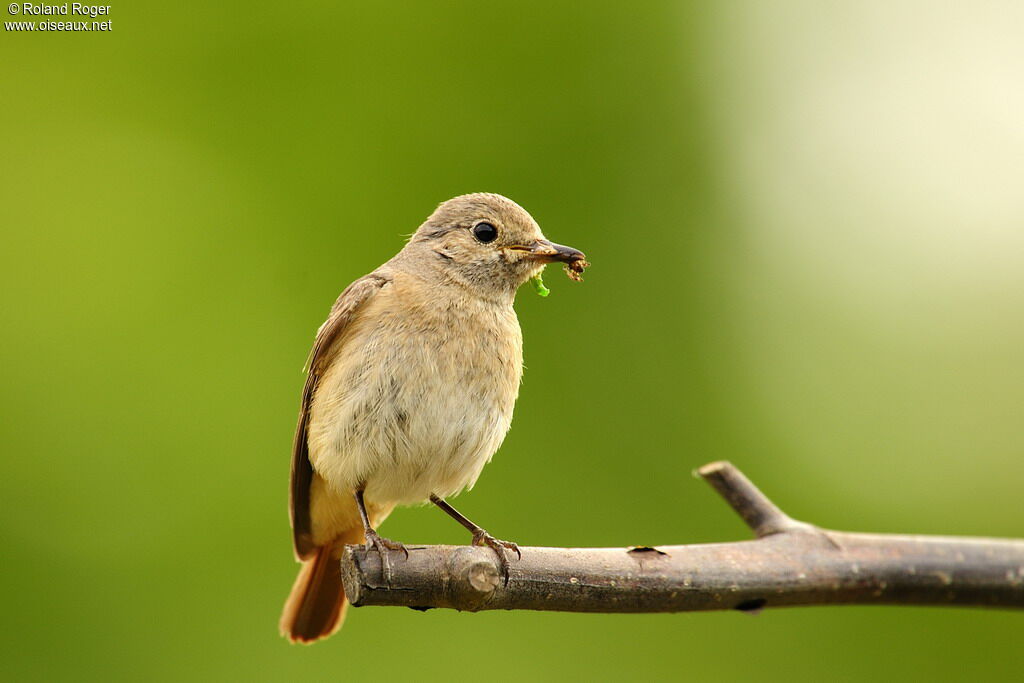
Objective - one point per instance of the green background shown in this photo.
(805, 224)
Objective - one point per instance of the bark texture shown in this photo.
(790, 563)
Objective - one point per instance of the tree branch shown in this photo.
(791, 563)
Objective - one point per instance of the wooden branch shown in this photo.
(791, 563)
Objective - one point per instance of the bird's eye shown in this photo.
(485, 232)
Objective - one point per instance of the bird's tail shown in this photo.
(316, 606)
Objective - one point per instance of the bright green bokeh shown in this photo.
(805, 225)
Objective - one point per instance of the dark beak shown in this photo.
(545, 251)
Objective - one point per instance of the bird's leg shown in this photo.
(480, 537)
(375, 540)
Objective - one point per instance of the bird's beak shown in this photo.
(548, 252)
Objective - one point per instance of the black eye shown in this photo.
(485, 232)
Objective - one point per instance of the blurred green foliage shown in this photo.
(807, 259)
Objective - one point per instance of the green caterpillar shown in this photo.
(538, 285)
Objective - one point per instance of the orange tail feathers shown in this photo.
(316, 606)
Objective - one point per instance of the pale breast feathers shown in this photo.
(418, 397)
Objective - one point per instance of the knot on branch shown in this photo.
(473, 579)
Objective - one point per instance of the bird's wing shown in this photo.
(324, 348)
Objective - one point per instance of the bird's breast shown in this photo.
(419, 396)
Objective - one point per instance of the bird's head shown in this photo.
(489, 243)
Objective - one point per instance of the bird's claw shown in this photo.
(482, 538)
(382, 545)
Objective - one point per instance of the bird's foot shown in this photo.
(383, 545)
(482, 538)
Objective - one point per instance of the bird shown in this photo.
(409, 391)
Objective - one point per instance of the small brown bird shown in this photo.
(412, 380)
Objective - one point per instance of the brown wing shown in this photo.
(350, 301)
